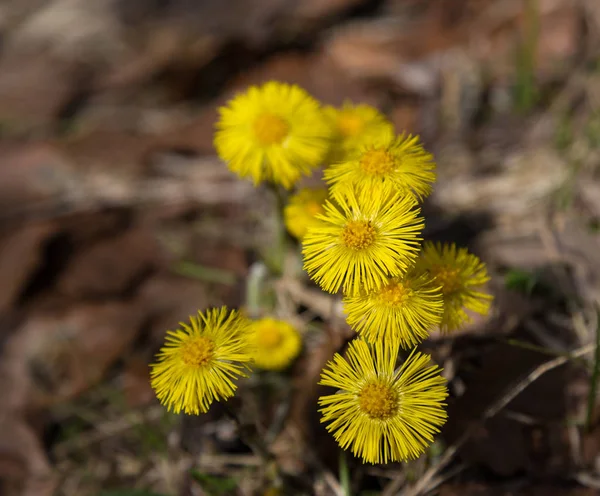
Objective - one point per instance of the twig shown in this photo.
(424, 482)
(437, 481)
(517, 343)
(333, 484)
(311, 458)
(396, 483)
(588, 480)
(325, 306)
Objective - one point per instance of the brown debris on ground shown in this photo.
(117, 221)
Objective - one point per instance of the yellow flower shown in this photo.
(361, 243)
(461, 276)
(275, 132)
(272, 491)
(383, 414)
(406, 308)
(354, 126)
(300, 212)
(276, 343)
(400, 162)
(200, 362)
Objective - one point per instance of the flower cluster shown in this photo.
(361, 235)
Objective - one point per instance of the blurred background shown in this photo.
(117, 221)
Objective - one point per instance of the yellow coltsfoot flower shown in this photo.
(406, 308)
(362, 241)
(383, 414)
(355, 126)
(200, 362)
(302, 208)
(276, 343)
(461, 276)
(275, 132)
(400, 162)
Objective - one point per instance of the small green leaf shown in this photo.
(594, 225)
(204, 273)
(521, 281)
(563, 136)
(213, 485)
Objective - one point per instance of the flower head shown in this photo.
(383, 414)
(301, 210)
(276, 343)
(406, 308)
(354, 126)
(362, 241)
(400, 162)
(275, 132)
(461, 276)
(200, 362)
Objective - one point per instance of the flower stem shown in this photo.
(249, 435)
(280, 248)
(255, 289)
(344, 474)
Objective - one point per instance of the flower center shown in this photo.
(358, 234)
(350, 124)
(377, 161)
(378, 401)
(270, 129)
(394, 294)
(198, 351)
(447, 277)
(268, 336)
